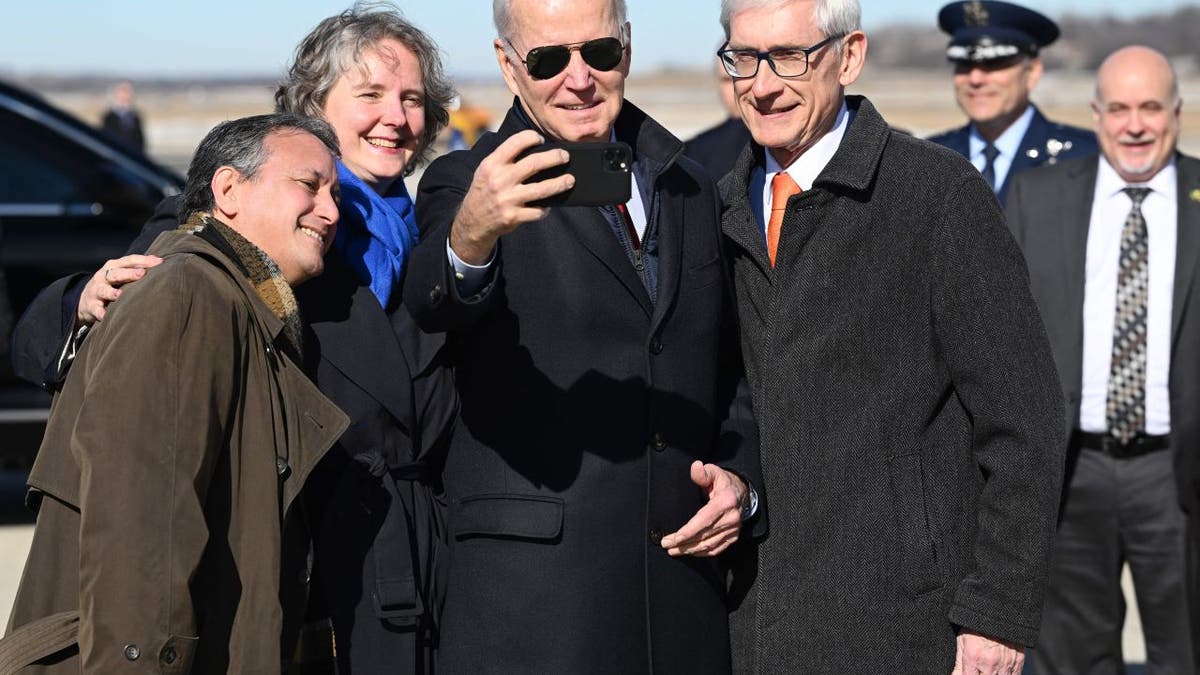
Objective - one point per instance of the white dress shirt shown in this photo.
(1009, 144)
(1110, 207)
(805, 169)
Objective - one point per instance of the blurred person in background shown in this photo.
(1112, 245)
(379, 82)
(995, 47)
(467, 122)
(121, 120)
(171, 532)
(717, 147)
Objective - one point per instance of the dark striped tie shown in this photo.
(990, 153)
(1126, 404)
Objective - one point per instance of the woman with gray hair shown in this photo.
(374, 503)
(377, 517)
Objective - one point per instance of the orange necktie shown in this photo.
(782, 187)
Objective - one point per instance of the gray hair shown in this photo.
(240, 144)
(503, 20)
(336, 45)
(833, 17)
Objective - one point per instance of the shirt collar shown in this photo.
(1009, 142)
(805, 169)
(1109, 182)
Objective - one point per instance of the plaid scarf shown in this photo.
(263, 273)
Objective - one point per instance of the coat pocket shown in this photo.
(914, 545)
(705, 274)
(511, 516)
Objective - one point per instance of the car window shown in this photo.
(38, 165)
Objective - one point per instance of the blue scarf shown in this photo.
(375, 233)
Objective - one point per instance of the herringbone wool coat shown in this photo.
(909, 412)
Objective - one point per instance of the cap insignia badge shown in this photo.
(975, 14)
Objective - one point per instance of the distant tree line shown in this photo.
(1084, 43)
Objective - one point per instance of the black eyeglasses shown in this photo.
(785, 61)
(543, 63)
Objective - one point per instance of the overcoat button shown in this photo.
(281, 467)
(435, 296)
(132, 652)
(656, 536)
(168, 655)
(657, 442)
(656, 346)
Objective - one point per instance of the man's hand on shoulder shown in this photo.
(982, 655)
(716, 526)
(497, 200)
(105, 285)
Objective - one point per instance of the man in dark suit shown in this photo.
(717, 147)
(121, 121)
(910, 417)
(1112, 246)
(602, 458)
(994, 48)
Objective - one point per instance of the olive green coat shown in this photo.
(168, 480)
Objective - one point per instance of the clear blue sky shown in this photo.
(252, 37)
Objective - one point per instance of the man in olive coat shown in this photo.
(170, 537)
(911, 425)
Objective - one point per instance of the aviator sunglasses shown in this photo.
(543, 63)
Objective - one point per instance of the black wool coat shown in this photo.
(582, 406)
(910, 415)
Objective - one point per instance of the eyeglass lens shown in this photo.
(785, 62)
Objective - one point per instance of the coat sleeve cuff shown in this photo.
(992, 627)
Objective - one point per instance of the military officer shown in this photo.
(994, 48)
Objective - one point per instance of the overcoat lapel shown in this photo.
(354, 335)
(588, 225)
(671, 224)
(738, 221)
(1187, 247)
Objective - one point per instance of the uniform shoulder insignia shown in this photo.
(1055, 147)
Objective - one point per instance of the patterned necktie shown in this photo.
(990, 153)
(1126, 404)
(782, 187)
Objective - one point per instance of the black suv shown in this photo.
(70, 199)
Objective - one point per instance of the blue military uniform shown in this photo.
(1045, 142)
(990, 31)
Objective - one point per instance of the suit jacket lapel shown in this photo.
(1187, 245)
(354, 335)
(1075, 210)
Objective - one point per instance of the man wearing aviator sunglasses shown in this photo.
(605, 453)
(543, 63)
(909, 403)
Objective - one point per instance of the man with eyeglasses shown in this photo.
(911, 424)
(994, 48)
(604, 456)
